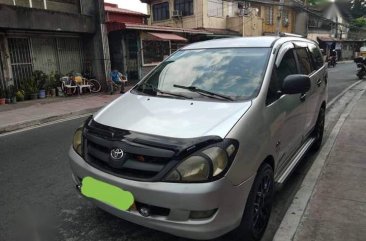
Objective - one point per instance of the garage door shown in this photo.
(69, 54)
(44, 54)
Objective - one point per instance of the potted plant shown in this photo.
(20, 94)
(51, 84)
(31, 88)
(2, 96)
(41, 80)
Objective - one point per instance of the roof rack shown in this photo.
(281, 34)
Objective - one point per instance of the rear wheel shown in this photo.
(258, 207)
(95, 85)
(319, 130)
(361, 74)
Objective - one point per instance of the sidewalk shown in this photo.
(30, 113)
(336, 210)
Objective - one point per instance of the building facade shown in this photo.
(329, 25)
(52, 36)
(249, 18)
(136, 47)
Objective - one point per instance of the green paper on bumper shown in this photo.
(107, 193)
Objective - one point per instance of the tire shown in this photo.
(361, 74)
(258, 207)
(95, 85)
(319, 130)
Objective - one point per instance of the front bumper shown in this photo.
(179, 198)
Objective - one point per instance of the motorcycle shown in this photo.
(361, 67)
(332, 61)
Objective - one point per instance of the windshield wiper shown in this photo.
(163, 92)
(204, 92)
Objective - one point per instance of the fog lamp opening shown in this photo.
(202, 214)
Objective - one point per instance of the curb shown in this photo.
(294, 214)
(330, 103)
(45, 120)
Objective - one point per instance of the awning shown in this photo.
(168, 36)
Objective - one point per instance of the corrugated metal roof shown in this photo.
(164, 29)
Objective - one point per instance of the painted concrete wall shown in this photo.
(14, 17)
(271, 28)
(246, 25)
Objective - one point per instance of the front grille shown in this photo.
(136, 166)
(146, 157)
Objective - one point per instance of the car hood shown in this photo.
(179, 118)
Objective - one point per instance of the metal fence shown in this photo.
(48, 54)
(20, 57)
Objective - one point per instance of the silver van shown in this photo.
(197, 147)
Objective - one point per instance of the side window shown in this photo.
(304, 61)
(286, 67)
(316, 56)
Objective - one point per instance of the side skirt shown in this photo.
(281, 178)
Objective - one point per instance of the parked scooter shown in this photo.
(361, 67)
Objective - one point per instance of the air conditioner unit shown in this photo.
(177, 14)
(244, 12)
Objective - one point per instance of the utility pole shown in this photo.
(279, 17)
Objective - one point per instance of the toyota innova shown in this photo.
(198, 146)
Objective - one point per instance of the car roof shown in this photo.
(241, 42)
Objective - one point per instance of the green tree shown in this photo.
(358, 8)
(359, 22)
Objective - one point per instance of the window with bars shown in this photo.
(215, 8)
(160, 11)
(185, 6)
(21, 60)
(269, 15)
(155, 51)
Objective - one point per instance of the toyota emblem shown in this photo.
(116, 153)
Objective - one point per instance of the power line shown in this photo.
(300, 5)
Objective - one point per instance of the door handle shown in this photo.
(303, 97)
(319, 82)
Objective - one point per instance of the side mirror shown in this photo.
(296, 84)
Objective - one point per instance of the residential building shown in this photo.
(329, 25)
(52, 35)
(249, 18)
(135, 47)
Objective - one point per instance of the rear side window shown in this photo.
(287, 67)
(316, 56)
(304, 61)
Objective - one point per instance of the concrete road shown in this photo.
(38, 200)
(340, 77)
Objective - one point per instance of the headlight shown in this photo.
(203, 166)
(77, 142)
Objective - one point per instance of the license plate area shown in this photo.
(107, 193)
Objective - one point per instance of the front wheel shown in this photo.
(258, 207)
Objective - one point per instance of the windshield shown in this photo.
(226, 74)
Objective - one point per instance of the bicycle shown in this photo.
(95, 86)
